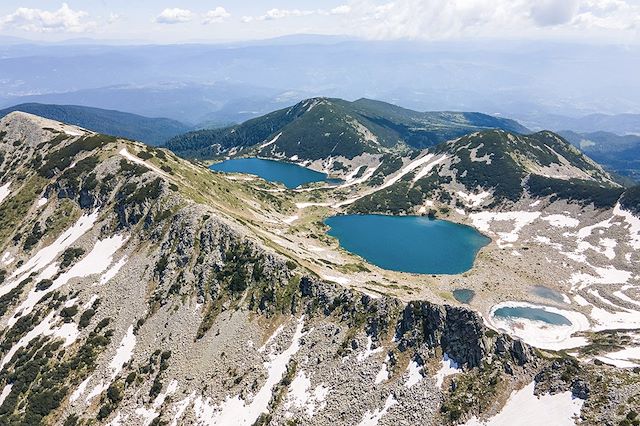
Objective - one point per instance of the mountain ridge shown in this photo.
(355, 128)
(153, 131)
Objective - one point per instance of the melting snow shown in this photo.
(234, 410)
(5, 392)
(95, 262)
(482, 221)
(368, 351)
(4, 191)
(525, 409)
(300, 397)
(561, 221)
(539, 333)
(113, 271)
(383, 374)
(124, 353)
(415, 375)
(448, 367)
(372, 419)
(80, 390)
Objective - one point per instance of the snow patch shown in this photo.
(291, 219)
(113, 271)
(98, 259)
(368, 351)
(299, 395)
(561, 221)
(4, 191)
(383, 374)
(415, 375)
(271, 142)
(483, 220)
(80, 390)
(234, 410)
(473, 200)
(123, 353)
(126, 154)
(523, 408)
(634, 225)
(448, 367)
(339, 280)
(372, 418)
(5, 392)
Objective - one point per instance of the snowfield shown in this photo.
(525, 409)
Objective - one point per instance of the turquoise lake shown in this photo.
(534, 314)
(409, 243)
(289, 174)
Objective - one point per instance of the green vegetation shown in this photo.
(60, 159)
(41, 375)
(630, 200)
(14, 209)
(580, 191)
(319, 128)
(70, 255)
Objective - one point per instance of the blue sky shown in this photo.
(167, 21)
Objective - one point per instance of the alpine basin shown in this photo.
(411, 244)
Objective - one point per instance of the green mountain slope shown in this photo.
(496, 167)
(152, 131)
(320, 128)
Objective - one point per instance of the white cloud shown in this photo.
(554, 12)
(445, 19)
(174, 16)
(64, 19)
(217, 15)
(344, 9)
(113, 18)
(274, 14)
(285, 13)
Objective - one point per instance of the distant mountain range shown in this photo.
(621, 124)
(200, 105)
(152, 131)
(319, 128)
(495, 77)
(620, 154)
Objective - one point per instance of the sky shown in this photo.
(172, 21)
